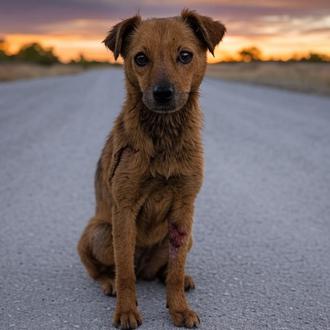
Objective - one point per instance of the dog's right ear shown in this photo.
(118, 37)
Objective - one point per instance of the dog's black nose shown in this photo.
(163, 93)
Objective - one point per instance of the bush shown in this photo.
(250, 54)
(316, 58)
(3, 56)
(35, 53)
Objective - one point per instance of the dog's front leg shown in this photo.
(126, 315)
(180, 224)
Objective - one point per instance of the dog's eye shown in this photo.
(185, 57)
(141, 59)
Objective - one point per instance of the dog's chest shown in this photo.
(152, 225)
(168, 165)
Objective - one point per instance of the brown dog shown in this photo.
(151, 167)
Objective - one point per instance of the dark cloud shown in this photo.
(29, 16)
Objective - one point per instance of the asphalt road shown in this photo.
(261, 256)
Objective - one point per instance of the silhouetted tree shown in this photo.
(311, 57)
(82, 60)
(314, 57)
(3, 51)
(35, 53)
(250, 54)
(3, 56)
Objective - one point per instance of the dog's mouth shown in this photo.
(172, 105)
(163, 109)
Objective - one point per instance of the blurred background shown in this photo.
(274, 42)
(261, 236)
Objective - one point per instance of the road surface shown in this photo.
(261, 255)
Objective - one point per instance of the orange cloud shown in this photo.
(277, 36)
(66, 47)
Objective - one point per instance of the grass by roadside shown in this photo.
(14, 71)
(304, 77)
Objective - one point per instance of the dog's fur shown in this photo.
(151, 167)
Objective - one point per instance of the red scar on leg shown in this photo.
(176, 238)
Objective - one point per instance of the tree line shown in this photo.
(254, 54)
(30, 53)
(37, 54)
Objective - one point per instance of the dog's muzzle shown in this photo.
(164, 98)
(163, 94)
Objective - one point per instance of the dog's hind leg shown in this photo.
(96, 253)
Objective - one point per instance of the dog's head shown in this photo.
(165, 59)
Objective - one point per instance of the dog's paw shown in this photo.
(189, 283)
(130, 319)
(186, 318)
(108, 287)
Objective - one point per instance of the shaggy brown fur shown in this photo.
(151, 167)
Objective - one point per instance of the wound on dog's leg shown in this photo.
(176, 238)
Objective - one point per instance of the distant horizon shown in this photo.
(250, 54)
(280, 29)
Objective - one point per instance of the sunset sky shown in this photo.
(279, 28)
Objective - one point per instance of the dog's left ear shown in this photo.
(208, 31)
(118, 37)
